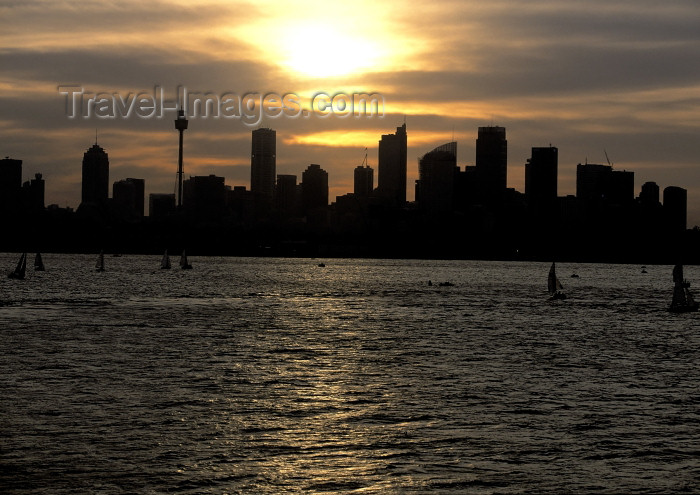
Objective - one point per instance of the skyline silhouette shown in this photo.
(597, 78)
(457, 213)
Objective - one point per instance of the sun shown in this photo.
(320, 51)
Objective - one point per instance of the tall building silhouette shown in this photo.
(128, 196)
(392, 167)
(649, 196)
(621, 187)
(438, 171)
(161, 205)
(10, 185)
(33, 192)
(205, 197)
(363, 181)
(492, 163)
(263, 168)
(676, 208)
(314, 188)
(95, 187)
(592, 181)
(541, 179)
(601, 183)
(287, 195)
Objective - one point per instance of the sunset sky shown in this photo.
(589, 77)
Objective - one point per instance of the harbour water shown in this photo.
(271, 376)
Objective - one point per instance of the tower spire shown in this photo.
(180, 125)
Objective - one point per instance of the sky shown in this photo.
(605, 81)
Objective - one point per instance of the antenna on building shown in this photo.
(95, 136)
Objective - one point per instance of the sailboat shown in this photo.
(100, 265)
(165, 262)
(183, 262)
(20, 269)
(554, 285)
(38, 263)
(682, 301)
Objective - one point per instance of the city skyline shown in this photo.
(490, 172)
(599, 79)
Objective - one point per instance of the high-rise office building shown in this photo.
(676, 208)
(621, 187)
(649, 196)
(541, 178)
(314, 188)
(128, 195)
(10, 185)
(602, 183)
(33, 193)
(437, 171)
(95, 188)
(204, 197)
(263, 169)
(592, 181)
(392, 167)
(286, 195)
(161, 205)
(363, 181)
(492, 163)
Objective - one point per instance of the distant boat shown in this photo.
(554, 285)
(321, 265)
(183, 262)
(38, 263)
(20, 269)
(100, 265)
(682, 301)
(165, 262)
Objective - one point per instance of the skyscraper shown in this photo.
(437, 172)
(602, 183)
(263, 159)
(592, 181)
(676, 208)
(128, 196)
(541, 179)
(205, 197)
(492, 163)
(33, 191)
(392, 167)
(10, 185)
(286, 195)
(649, 196)
(314, 188)
(363, 181)
(95, 188)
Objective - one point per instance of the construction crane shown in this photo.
(606, 157)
